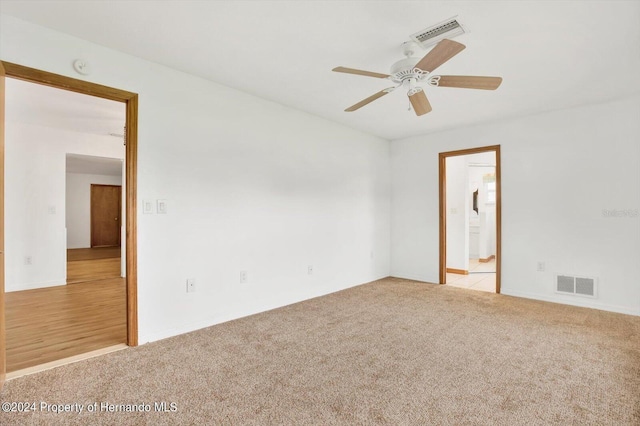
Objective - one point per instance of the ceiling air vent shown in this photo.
(446, 29)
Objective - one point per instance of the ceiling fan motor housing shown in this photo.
(405, 69)
(406, 64)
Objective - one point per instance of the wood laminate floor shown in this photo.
(92, 253)
(93, 264)
(53, 323)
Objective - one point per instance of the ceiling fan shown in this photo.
(411, 71)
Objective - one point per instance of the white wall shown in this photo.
(485, 217)
(35, 168)
(457, 213)
(250, 185)
(78, 205)
(560, 171)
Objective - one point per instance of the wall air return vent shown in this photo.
(581, 286)
(446, 29)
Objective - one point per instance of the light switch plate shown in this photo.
(147, 207)
(161, 206)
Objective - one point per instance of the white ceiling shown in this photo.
(47, 106)
(551, 54)
(91, 165)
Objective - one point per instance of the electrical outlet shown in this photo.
(28, 260)
(310, 270)
(540, 267)
(243, 277)
(191, 285)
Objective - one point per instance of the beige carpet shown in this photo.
(389, 352)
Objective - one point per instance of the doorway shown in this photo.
(94, 217)
(470, 219)
(130, 102)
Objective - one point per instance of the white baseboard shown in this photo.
(583, 303)
(222, 317)
(32, 286)
(414, 277)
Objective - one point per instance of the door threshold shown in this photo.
(60, 362)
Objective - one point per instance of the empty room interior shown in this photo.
(319, 212)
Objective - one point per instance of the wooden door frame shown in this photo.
(91, 212)
(442, 159)
(3, 339)
(131, 165)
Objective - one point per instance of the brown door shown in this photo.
(3, 344)
(105, 215)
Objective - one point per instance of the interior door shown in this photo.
(106, 203)
(3, 344)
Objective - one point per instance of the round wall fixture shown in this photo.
(81, 66)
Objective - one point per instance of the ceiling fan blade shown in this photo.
(470, 82)
(368, 100)
(360, 72)
(420, 103)
(441, 53)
